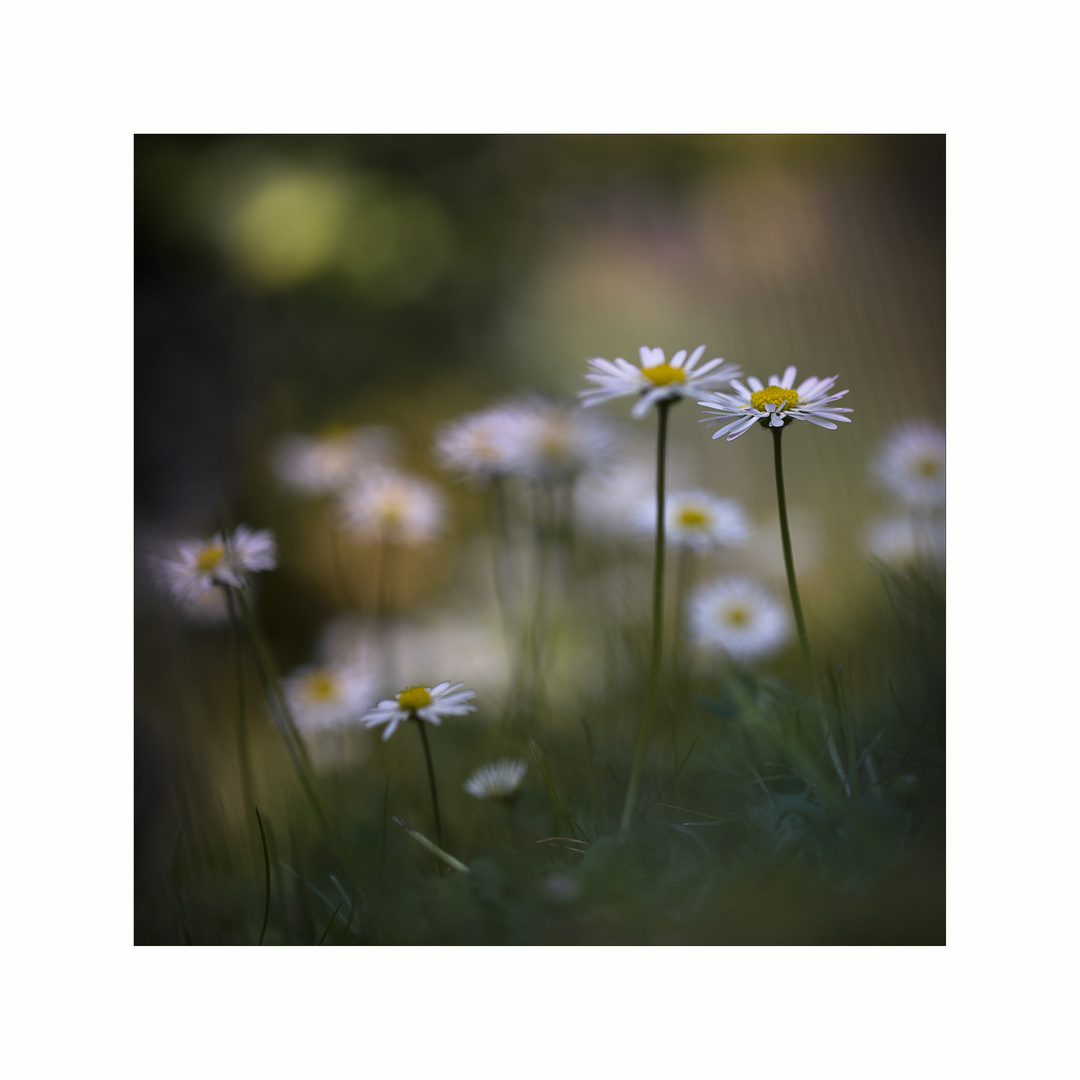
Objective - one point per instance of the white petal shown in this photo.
(755, 383)
(695, 356)
(679, 358)
(789, 378)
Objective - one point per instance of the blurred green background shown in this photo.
(290, 283)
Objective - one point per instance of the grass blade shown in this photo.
(266, 864)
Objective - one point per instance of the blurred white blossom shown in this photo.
(738, 617)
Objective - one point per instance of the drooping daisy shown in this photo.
(555, 442)
(656, 380)
(428, 703)
(738, 617)
(328, 697)
(904, 541)
(775, 404)
(323, 464)
(911, 465)
(195, 567)
(498, 781)
(481, 446)
(696, 519)
(395, 508)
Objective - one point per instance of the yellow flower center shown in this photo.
(662, 374)
(691, 516)
(737, 616)
(393, 512)
(774, 395)
(416, 697)
(209, 557)
(320, 686)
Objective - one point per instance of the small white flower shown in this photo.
(323, 464)
(740, 618)
(911, 465)
(656, 380)
(429, 703)
(328, 697)
(500, 780)
(696, 519)
(195, 567)
(396, 508)
(481, 446)
(775, 404)
(903, 541)
(555, 442)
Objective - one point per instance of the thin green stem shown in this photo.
(243, 745)
(658, 624)
(789, 564)
(796, 606)
(431, 780)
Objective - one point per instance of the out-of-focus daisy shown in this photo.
(555, 442)
(738, 617)
(429, 703)
(328, 697)
(195, 567)
(696, 519)
(906, 541)
(396, 508)
(775, 404)
(498, 781)
(323, 464)
(656, 380)
(606, 502)
(911, 465)
(481, 446)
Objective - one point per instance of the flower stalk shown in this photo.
(634, 783)
(796, 605)
(431, 779)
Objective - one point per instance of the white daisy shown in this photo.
(394, 507)
(195, 567)
(903, 541)
(430, 703)
(738, 617)
(500, 780)
(656, 380)
(911, 465)
(322, 464)
(775, 404)
(695, 519)
(328, 697)
(555, 442)
(480, 446)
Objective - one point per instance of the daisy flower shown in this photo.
(911, 465)
(555, 442)
(500, 780)
(738, 617)
(323, 464)
(394, 507)
(429, 703)
(195, 567)
(656, 380)
(481, 446)
(775, 404)
(696, 519)
(328, 697)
